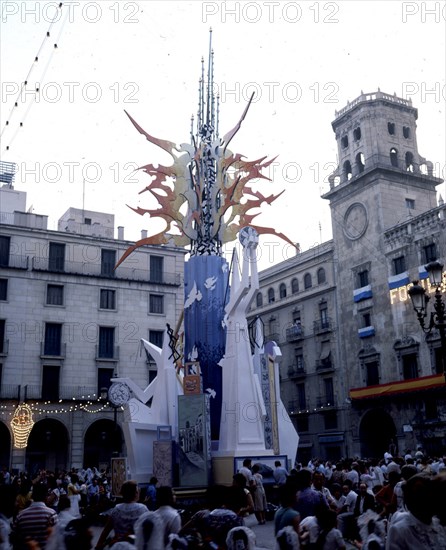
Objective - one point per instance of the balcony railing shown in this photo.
(105, 353)
(326, 402)
(294, 333)
(56, 352)
(89, 269)
(15, 261)
(10, 391)
(325, 365)
(273, 336)
(295, 406)
(296, 372)
(66, 393)
(325, 325)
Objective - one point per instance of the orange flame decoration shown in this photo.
(232, 174)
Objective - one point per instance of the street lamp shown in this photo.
(437, 317)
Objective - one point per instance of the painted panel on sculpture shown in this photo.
(119, 474)
(194, 440)
(163, 462)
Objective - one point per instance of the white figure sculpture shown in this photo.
(141, 422)
(243, 408)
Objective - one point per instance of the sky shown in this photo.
(75, 147)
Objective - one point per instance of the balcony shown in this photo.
(10, 391)
(325, 402)
(53, 351)
(107, 353)
(65, 393)
(4, 348)
(295, 372)
(295, 407)
(15, 262)
(273, 337)
(325, 365)
(88, 269)
(323, 325)
(294, 333)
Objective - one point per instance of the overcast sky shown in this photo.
(303, 60)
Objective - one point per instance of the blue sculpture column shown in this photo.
(206, 293)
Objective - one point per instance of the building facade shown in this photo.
(69, 323)
(387, 224)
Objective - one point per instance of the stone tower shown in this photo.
(381, 182)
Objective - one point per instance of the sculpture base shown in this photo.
(223, 463)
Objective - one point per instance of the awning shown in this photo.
(403, 386)
(325, 351)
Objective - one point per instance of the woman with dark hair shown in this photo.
(123, 516)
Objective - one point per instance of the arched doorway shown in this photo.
(5, 446)
(102, 441)
(47, 446)
(376, 433)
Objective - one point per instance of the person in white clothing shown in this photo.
(165, 499)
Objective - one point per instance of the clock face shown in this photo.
(248, 237)
(119, 393)
(355, 221)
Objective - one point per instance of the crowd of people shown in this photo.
(397, 503)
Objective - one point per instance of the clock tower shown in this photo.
(381, 181)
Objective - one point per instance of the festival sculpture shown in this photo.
(206, 200)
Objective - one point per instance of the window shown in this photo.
(56, 257)
(156, 303)
(54, 295)
(357, 133)
(50, 382)
(3, 289)
(391, 128)
(331, 420)
(410, 204)
(347, 170)
(156, 269)
(329, 392)
(87, 221)
(372, 373)
(410, 366)
(301, 396)
(366, 320)
(5, 243)
(259, 299)
(430, 252)
(107, 299)
(299, 358)
(409, 161)
(294, 286)
(360, 162)
(323, 316)
(302, 423)
(399, 265)
(108, 262)
(363, 278)
(53, 338)
(406, 132)
(2, 336)
(271, 295)
(106, 342)
(282, 290)
(307, 281)
(344, 141)
(104, 379)
(156, 337)
(393, 157)
(321, 276)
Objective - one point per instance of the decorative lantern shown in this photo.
(21, 424)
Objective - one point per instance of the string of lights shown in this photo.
(27, 97)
